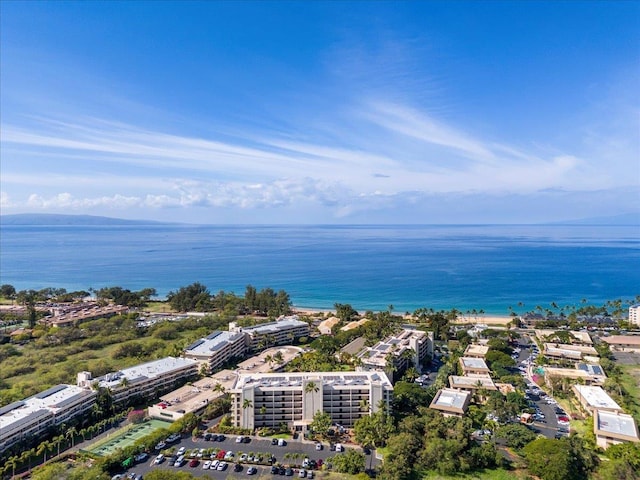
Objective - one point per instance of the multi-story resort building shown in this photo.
(396, 352)
(634, 314)
(612, 428)
(217, 349)
(451, 402)
(33, 416)
(270, 399)
(284, 330)
(147, 380)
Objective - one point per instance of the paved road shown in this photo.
(257, 445)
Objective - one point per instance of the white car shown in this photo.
(181, 451)
(206, 465)
(238, 439)
(222, 466)
(214, 464)
(159, 459)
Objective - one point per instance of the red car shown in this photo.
(193, 463)
(221, 454)
(563, 419)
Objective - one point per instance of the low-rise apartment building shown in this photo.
(144, 381)
(476, 351)
(587, 373)
(472, 382)
(595, 398)
(612, 428)
(473, 366)
(568, 351)
(395, 353)
(451, 402)
(270, 399)
(623, 343)
(33, 416)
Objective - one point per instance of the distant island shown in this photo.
(56, 219)
(626, 219)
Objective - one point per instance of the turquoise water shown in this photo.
(370, 267)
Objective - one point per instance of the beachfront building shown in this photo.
(595, 398)
(72, 314)
(326, 326)
(270, 399)
(473, 366)
(634, 314)
(32, 417)
(147, 380)
(194, 397)
(217, 349)
(476, 351)
(613, 428)
(394, 354)
(354, 324)
(623, 343)
(284, 330)
(450, 402)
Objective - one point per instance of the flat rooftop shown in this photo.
(153, 369)
(615, 424)
(580, 336)
(191, 398)
(451, 400)
(336, 379)
(471, 381)
(474, 363)
(40, 405)
(633, 340)
(395, 344)
(585, 349)
(272, 327)
(595, 397)
(260, 363)
(211, 343)
(476, 350)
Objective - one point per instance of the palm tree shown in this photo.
(12, 462)
(57, 441)
(311, 387)
(71, 435)
(365, 406)
(43, 448)
(219, 388)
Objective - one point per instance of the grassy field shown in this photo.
(158, 307)
(498, 474)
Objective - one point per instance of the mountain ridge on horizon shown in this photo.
(627, 219)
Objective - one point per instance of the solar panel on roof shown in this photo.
(195, 344)
(213, 335)
(11, 406)
(50, 391)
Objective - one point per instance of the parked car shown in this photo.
(252, 471)
(318, 446)
(159, 459)
(222, 466)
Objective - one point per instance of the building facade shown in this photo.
(613, 428)
(634, 314)
(148, 380)
(270, 399)
(217, 349)
(35, 415)
(396, 353)
(284, 330)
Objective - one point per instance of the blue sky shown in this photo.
(321, 112)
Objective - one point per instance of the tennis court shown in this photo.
(126, 436)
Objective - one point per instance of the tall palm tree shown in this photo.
(71, 435)
(12, 462)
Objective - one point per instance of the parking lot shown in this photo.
(294, 452)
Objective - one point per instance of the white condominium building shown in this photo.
(634, 314)
(284, 330)
(217, 349)
(149, 379)
(395, 352)
(612, 428)
(270, 399)
(34, 415)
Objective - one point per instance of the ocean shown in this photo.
(369, 267)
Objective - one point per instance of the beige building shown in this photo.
(476, 351)
(579, 337)
(568, 351)
(326, 326)
(595, 398)
(193, 397)
(472, 382)
(587, 373)
(471, 366)
(612, 428)
(270, 399)
(623, 343)
(451, 402)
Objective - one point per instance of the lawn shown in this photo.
(499, 474)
